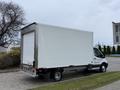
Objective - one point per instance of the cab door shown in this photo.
(98, 56)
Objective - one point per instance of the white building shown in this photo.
(116, 33)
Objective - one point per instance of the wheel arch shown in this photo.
(104, 63)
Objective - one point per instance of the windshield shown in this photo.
(97, 53)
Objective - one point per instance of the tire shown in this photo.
(56, 75)
(103, 68)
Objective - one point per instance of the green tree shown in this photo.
(108, 50)
(99, 47)
(104, 50)
(113, 50)
(118, 49)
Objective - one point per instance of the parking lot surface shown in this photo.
(114, 63)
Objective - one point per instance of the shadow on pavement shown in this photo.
(66, 76)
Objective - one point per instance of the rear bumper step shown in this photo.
(29, 69)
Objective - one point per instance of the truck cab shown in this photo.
(99, 60)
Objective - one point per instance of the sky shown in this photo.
(88, 15)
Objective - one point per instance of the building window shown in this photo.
(116, 28)
(117, 39)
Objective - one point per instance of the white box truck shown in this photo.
(52, 50)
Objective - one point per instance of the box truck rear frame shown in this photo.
(54, 72)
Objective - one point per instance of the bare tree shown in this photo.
(11, 20)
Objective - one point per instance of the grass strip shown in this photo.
(87, 83)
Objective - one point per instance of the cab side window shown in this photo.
(97, 53)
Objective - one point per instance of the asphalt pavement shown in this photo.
(114, 65)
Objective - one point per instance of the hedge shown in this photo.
(10, 59)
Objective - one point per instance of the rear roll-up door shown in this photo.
(28, 48)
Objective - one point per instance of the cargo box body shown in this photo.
(61, 47)
(51, 46)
